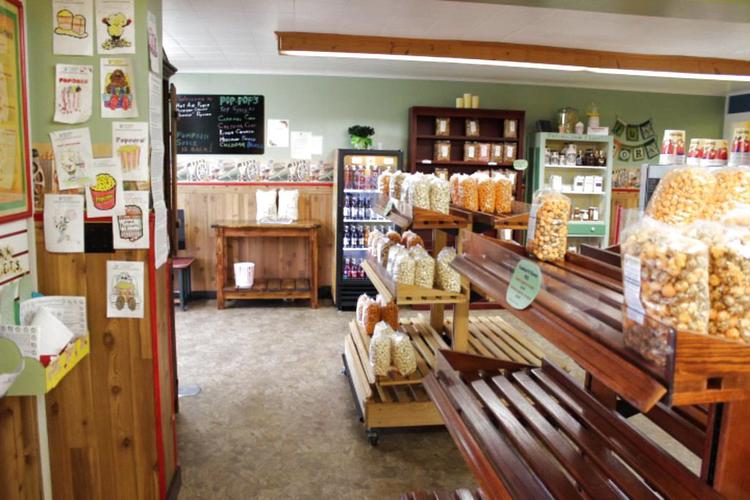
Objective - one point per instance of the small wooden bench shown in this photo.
(182, 266)
(535, 433)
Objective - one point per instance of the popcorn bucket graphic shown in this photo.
(130, 157)
(103, 192)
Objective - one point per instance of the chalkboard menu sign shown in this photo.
(220, 124)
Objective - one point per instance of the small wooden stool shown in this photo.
(182, 266)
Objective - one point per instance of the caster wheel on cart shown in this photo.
(373, 437)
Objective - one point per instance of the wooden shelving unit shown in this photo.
(535, 431)
(422, 138)
(382, 403)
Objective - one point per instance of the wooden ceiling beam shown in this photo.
(511, 52)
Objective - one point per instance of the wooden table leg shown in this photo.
(221, 267)
(460, 338)
(732, 449)
(314, 268)
(437, 311)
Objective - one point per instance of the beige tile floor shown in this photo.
(275, 418)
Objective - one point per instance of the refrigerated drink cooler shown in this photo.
(355, 191)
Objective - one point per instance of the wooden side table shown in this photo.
(279, 287)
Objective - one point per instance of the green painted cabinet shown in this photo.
(589, 186)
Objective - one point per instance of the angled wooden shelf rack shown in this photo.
(408, 294)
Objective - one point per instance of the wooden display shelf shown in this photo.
(535, 433)
(407, 216)
(408, 294)
(425, 341)
(401, 402)
(271, 288)
(517, 219)
(580, 310)
(463, 163)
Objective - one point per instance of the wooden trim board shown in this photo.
(510, 52)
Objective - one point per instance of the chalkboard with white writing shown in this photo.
(220, 124)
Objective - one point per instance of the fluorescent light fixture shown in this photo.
(518, 64)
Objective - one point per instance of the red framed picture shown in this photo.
(15, 165)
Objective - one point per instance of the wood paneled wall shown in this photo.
(102, 417)
(20, 471)
(273, 257)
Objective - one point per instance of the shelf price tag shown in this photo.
(520, 164)
(524, 285)
(426, 162)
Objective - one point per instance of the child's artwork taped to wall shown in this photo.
(63, 223)
(73, 93)
(115, 27)
(72, 27)
(117, 88)
(124, 289)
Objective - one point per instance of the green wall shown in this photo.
(329, 105)
(42, 71)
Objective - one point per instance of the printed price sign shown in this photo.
(524, 285)
(520, 164)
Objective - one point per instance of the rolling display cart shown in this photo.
(355, 193)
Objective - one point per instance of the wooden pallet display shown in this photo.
(516, 219)
(394, 401)
(407, 294)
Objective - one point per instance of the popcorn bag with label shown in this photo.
(547, 236)
(665, 283)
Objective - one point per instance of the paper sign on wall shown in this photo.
(73, 157)
(124, 289)
(73, 93)
(105, 196)
(130, 148)
(117, 88)
(154, 47)
(63, 223)
(161, 234)
(278, 133)
(72, 27)
(157, 172)
(316, 144)
(301, 148)
(130, 229)
(115, 26)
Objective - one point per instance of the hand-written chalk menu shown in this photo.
(220, 124)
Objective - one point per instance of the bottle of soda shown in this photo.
(347, 177)
(347, 269)
(347, 236)
(366, 236)
(360, 237)
(347, 206)
(360, 270)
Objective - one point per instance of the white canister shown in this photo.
(244, 274)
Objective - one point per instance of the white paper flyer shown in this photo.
(105, 196)
(115, 26)
(278, 133)
(73, 157)
(72, 27)
(124, 289)
(63, 223)
(161, 234)
(69, 309)
(130, 229)
(154, 45)
(130, 148)
(117, 88)
(73, 93)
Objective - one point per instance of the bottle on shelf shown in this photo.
(347, 237)
(347, 206)
(360, 237)
(366, 236)
(368, 210)
(355, 208)
(347, 177)
(347, 268)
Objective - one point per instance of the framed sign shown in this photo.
(15, 188)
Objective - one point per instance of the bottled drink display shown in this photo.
(361, 177)
(358, 207)
(353, 269)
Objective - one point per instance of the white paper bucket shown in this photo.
(244, 273)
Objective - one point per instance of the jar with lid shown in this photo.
(570, 154)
